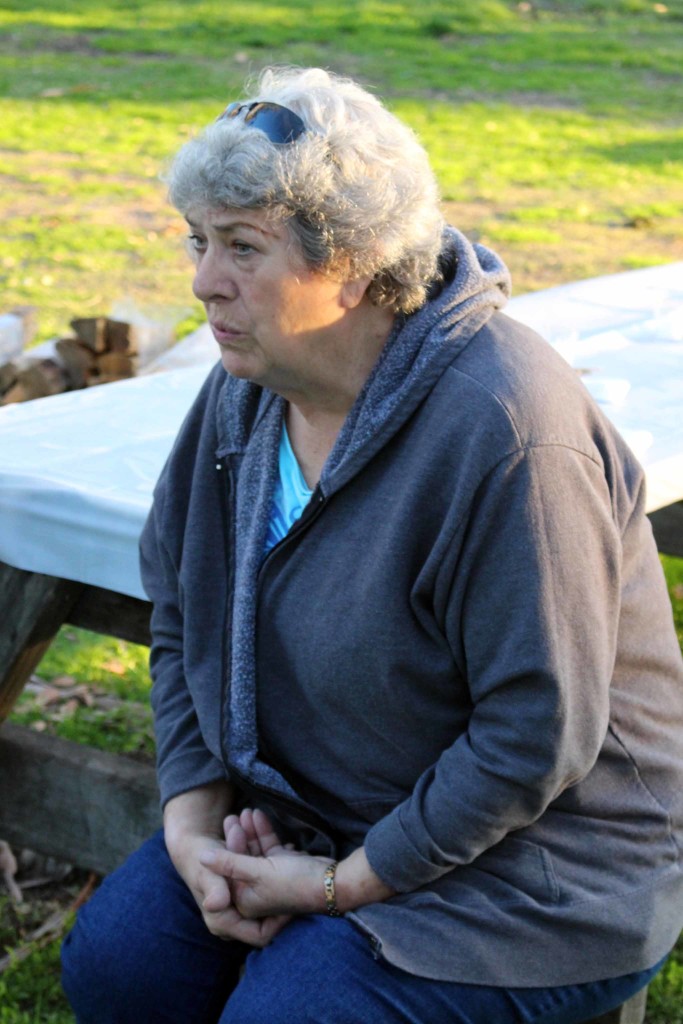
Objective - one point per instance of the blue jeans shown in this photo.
(140, 953)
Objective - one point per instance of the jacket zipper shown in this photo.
(299, 811)
(227, 494)
(310, 514)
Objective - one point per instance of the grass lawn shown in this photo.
(556, 129)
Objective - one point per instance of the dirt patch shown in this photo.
(83, 44)
(584, 249)
(45, 910)
(15, 42)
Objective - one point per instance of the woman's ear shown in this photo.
(352, 292)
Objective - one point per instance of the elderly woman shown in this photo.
(418, 697)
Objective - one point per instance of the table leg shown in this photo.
(32, 608)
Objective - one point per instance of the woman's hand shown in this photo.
(192, 824)
(253, 833)
(266, 878)
(252, 838)
(287, 882)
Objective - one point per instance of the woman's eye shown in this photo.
(242, 248)
(196, 242)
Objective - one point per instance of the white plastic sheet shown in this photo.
(77, 473)
(77, 470)
(625, 334)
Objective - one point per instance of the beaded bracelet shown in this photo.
(330, 893)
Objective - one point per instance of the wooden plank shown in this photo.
(32, 608)
(630, 1012)
(105, 611)
(667, 526)
(83, 806)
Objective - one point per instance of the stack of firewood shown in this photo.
(99, 352)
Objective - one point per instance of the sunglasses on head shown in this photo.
(279, 124)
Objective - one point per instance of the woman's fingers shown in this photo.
(231, 925)
(235, 838)
(268, 838)
(228, 823)
(247, 823)
(254, 933)
(253, 833)
(260, 837)
(234, 866)
(216, 894)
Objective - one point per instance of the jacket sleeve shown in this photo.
(531, 617)
(183, 760)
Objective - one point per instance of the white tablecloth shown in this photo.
(77, 470)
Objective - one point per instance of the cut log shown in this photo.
(113, 366)
(84, 806)
(103, 351)
(119, 337)
(101, 334)
(37, 380)
(78, 361)
(8, 376)
(92, 331)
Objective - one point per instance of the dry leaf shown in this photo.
(114, 666)
(8, 869)
(63, 681)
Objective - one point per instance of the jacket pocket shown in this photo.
(514, 871)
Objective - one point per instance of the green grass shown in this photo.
(30, 992)
(555, 128)
(665, 995)
(673, 570)
(118, 667)
(566, 113)
(122, 730)
(106, 667)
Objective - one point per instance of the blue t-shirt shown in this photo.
(292, 494)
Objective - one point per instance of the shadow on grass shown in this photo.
(648, 153)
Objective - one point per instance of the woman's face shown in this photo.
(277, 322)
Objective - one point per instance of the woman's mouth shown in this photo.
(223, 333)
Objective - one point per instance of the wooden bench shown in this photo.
(84, 806)
(630, 1012)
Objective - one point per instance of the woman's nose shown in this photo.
(211, 280)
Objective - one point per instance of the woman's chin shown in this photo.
(238, 364)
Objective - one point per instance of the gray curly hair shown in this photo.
(355, 189)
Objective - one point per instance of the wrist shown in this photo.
(356, 884)
(330, 890)
(197, 813)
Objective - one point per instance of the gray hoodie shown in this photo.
(462, 655)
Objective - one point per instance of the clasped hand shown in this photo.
(267, 882)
